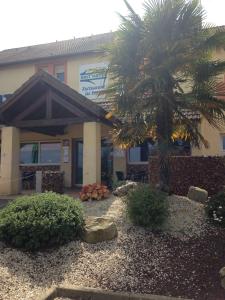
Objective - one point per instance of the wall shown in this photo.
(205, 172)
(214, 137)
(12, 77)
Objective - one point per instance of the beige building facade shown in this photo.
(55, 120)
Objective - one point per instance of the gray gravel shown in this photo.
(104, 265)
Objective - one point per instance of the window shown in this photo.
(50, 153)
(56, 69)
(59, 72)
(223, 142)
(40, 153)
(141, 152)
(43, 68)
(29, 153)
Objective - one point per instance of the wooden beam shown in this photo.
(85, 104)
(50, 122)
(49, 105)
(72, 108)
(31, 108)
(52, 131)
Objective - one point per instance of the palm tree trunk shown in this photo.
(164, 166)
(164, 132)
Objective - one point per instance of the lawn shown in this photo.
(178, 263)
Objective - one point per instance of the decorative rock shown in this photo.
(197, 194)
(99, 229)
(223, 282)
(222, 272)
(124, 189)
(222, 275)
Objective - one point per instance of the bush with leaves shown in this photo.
(216, 208)
(147, 206)
(41, 221)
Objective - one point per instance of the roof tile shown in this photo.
(55, 49)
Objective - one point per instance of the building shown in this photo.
(53, 117)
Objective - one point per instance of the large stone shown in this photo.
(222, 272)
(223, 283)
(124, 189)
(99, 229)
(197, 194)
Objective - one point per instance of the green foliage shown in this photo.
(147, 207)
(163, 67)
(216, 209)
(41, 221)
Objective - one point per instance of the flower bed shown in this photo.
(94, 192)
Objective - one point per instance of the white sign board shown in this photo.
(93, 80)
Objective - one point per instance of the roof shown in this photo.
(70, 47)
(36, 86)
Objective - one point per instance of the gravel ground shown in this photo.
(137, 261)
(187, 218)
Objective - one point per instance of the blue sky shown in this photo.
(28, 22)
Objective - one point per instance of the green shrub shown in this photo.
(147, 207)
(216, 209)
(41, 221)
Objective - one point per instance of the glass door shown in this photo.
(77, 164)
(106, 162)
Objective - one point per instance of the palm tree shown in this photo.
(162, 69)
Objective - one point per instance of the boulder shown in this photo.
(223, 283)
(197, 194)
(124, 189)
(99, 229)
(222, 272)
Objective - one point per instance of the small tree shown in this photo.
(162, 69)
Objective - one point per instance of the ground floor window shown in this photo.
(223, 142)
(50, 153)
(40, 153)
(141, 153)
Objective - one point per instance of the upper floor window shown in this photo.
(60, 72)
(43, 68)
(57, 69)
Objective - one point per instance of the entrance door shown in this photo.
(106, 162)
(77, 163)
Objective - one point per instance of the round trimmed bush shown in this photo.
(216, 209)
(41, 221)
(147, 207)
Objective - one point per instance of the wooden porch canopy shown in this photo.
(44, 104)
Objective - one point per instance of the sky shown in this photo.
(30, 22)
